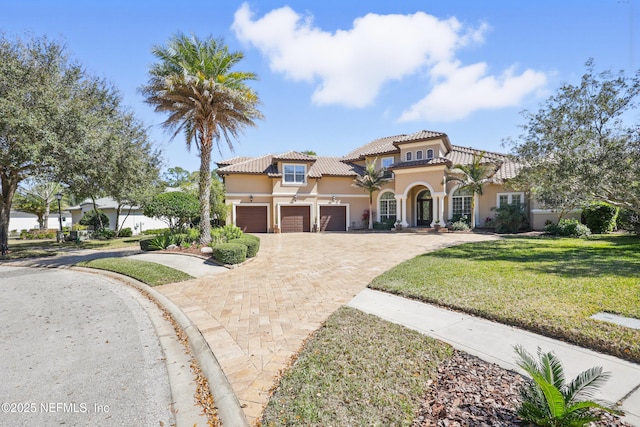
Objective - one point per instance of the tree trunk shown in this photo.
(9, 187)
(473, 210)
(45, 217)
(205, 188)
(370, 211)
(116, 225)
(95, 209)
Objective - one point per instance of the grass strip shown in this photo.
(147, 272)
(548, 285)
(357, 370)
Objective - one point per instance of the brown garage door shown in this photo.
(333, 218)
(295, 219)
(252, 219)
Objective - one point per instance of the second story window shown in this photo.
(409, 158)
(386, 164)
(429, 153)
(294, 174)
(419, 155)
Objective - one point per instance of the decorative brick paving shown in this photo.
(256, 317)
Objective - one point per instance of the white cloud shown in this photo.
(461, 90)
(349, 67)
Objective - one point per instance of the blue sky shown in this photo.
(334, 75)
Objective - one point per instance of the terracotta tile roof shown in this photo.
(333, 166)
(375, 147)
(423, 162)
(252, 165)
(464, 156)
(422, 135)
(295, 155)
(390, 144)
(232, 161)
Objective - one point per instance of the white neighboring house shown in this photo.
(134, 220)
(26, 221)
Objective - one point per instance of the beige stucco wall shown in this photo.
(246, 183)
(330, 185)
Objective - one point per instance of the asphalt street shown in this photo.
(77, 349)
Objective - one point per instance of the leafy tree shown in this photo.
(41, 93)
(176, 177)
(219, 209)
(134, 175)
(549, 401)
(96, 220)
(176, 208)
(473, 177)
(371, 181)
(579, 148)
(310, 153)
(35, 196)
(194, 82)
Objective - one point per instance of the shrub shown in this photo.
(600, 217)
(161, 242)
(125, 232)
(104, 233)
(509, 218)
(37, 234)
(568, 228)
(628, 220)
(155, 231)
(387, 224)
(145, 245)
(251, 242)
(91, 219)
(230, 253)
(225, 234)
(460, 225)
(461, 217)
(548, 400)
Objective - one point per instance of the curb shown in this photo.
(229, 410)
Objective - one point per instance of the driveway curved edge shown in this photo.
(229, 410)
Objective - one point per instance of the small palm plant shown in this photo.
(549, 401)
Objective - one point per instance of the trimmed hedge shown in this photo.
(251, 242)
(230, 253)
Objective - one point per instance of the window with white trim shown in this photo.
(430, 153)
(461, 201)
(510, 199)
(388, 207)
(419, 155)
(409, 153)
(386, 163)
(294, 174)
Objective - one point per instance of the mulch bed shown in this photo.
(471, 392)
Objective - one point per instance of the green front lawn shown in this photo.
(547, 285)
(41, 248)
(147, 272)
(357, 370)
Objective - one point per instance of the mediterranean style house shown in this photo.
(296, 192)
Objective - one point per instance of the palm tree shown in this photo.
(473, 177)
(193, 81)
(372, 180)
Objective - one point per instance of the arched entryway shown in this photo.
(424, 209)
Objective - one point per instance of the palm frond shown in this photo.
(586, 384)
(552, 369)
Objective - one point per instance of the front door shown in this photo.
(425, 209)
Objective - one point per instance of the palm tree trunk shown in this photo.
(473, 210)
(205, 188)
(370, 211)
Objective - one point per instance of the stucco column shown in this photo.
(441, 209)
(434, 210)
(401, 207)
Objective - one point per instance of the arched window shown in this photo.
(419, 155)
(461, 200)
(409, 156)
(388, 207)
(430, 153)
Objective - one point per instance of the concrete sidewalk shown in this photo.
(493, 342)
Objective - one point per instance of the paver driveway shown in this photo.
(256, 317)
